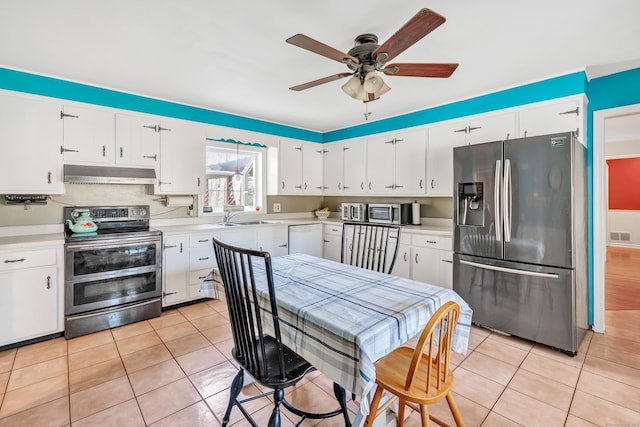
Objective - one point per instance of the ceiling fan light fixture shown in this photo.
(352, 87)
(372, 82)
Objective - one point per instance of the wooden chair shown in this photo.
(421, 376)
(263, 356)
(370, 246)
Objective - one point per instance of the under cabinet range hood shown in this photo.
(81, 174)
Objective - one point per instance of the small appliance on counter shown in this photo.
(353, 212)
(390, 213)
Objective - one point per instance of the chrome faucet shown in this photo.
(227, 216)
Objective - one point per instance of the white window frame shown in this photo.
(260, 176)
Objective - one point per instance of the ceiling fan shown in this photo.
(367, 58)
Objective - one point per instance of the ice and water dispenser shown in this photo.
(470, 203)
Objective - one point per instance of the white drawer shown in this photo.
(201, 258)
(405, 238)
(16, 260)
(334, 229)
(194, 292)
(432, 241)
(196, 277)
(201, 239)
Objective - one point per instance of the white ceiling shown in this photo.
(231, 56)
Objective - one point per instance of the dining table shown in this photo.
(343, 318)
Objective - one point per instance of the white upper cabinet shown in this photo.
(30, 159)
(455, 133)
(89, 135)
(396, 163)
(345, 167)
(564, 115)
(312, 168)
(300, 167)
(182, 154)
(333, 164)
(137, 140)
(354, 167)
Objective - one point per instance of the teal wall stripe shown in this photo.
(570, 84)
(48, 86)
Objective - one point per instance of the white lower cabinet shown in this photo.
(175, 266)
(425, 258)
(274, 240)
(332, 241)
(31, 294)
(188, 260)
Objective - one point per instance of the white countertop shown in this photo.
(30, 241)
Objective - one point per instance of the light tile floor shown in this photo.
(175, 371)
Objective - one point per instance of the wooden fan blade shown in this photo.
(420, 70)
(315, 46)
(424, 22)
(320, 81)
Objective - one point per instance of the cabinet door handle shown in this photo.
(576, 112)
(154, 157)
(447, 261)
(391, 141)
(104, 151)
(392, 186)
(416, 258)
(48, 282)
(405, 257)
(339, 186)
(166, 294)
(121, 151)
(198, 181)
(305, 185)
(180, 247)
(203, 241)
(283, 246)
(170, 246)
(369, 185)
(362, 185)
(164, 182)
(63, 115)
(299, 186)
(67, 150)
(283, 185)
(420, 184)
(433, 183)
(161, 128)
(326, 241)
(203, 259)
(154, 127)
(471, 129)
(433, 242)
(202, 277)
(464, 129)
(8, 261)
(397, 186)
(299, 148)
(49, 177)
(320, 188)
(346, 148)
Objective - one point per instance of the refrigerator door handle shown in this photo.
(507, 200)
(496, 199)
(510, 270)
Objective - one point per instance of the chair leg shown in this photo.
(401, 405)
(457, 416)
(373, 408)
(341, 397)
(424, 415)
(234, 392)
(275, 420)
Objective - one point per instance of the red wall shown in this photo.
(624, 183)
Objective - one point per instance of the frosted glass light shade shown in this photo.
(352, 87)
(372, 82)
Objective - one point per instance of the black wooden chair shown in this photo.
(263, 356)
(370, 246)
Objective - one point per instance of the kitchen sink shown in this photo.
(227, 224)
(262, 221)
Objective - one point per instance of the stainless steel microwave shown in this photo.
(390, 213)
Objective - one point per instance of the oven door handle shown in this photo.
(111, 243)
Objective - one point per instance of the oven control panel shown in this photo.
(138, 212)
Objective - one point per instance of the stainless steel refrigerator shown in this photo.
(520, 237)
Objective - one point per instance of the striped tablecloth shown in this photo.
(343, 318)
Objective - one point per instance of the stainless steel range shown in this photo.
(113, 275)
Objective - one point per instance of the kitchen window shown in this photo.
(234, 178)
